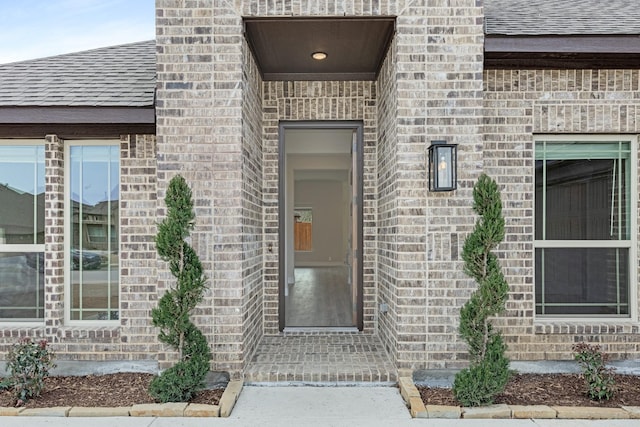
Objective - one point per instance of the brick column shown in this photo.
(54, 236)
(138, 260)
(439, 73)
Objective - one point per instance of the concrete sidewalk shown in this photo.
(310, 406)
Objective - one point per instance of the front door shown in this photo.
(320, 225)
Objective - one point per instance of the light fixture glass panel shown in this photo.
(442, 166)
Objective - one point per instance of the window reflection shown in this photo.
(583, 195)
(21, 285)
(22, 194)
(21, 223)
(94, 191)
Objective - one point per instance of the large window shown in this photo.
(21, 231)
(583, 228)
(92, 227)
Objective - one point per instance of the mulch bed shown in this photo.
(128, 389)
(111, 390)
(547, 389)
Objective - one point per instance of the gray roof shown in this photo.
(125, 75)
(562, 17)
(117, 76)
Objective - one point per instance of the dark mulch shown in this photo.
(547, 389)
(110, 390)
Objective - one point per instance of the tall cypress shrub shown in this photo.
(488, 372)
(172, 315)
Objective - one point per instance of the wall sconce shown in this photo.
(443, 166)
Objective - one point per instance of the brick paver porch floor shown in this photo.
(319, 357)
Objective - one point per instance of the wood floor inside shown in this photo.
(320, 297)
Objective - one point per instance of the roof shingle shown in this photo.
(125, 75)
(117, 76)
(561, 17)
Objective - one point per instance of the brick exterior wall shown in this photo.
(252, 211)
(54, 235)
(138, 257)
(518, 104)
(417, 107)
(199, 132)
(134, 338)
(387, 185)
(439, 97)
(217, 125)
(305, 101)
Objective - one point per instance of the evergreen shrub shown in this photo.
(488, 371)
(172, 315)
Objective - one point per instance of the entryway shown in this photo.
(321, 357)
(320, 225)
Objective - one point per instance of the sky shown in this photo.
(39, 28)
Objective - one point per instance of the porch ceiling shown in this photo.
(355, 47)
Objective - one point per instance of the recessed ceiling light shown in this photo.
(319, 56)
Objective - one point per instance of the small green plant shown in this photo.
(488, 372)
(601, 383)
(28, 364)
(172, 315)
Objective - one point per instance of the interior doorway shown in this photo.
(320, 171)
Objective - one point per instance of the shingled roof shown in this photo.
(125, 75)
(561, 17)
(117, 76)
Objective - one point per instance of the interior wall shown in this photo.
(325, 199)
(317, 154)
(300, 162)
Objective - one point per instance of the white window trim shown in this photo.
(631, 244)
(67, 233)
(23, 248)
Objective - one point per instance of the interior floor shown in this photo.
(320, 297)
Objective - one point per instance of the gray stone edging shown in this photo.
(408, 390)
(176, 409)
(412, 398)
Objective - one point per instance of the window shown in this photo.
(303, 229)
(21, 231)
(91, 230)
(96, 233)
(583, 228)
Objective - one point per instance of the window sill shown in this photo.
(91, 330)
(8, 325)
(553, 326)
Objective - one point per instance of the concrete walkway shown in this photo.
(311, 406)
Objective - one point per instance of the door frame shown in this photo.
(358, 127)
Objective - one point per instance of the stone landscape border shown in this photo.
(412, 398)
(180, 409)
(408, 390)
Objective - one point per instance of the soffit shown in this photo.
(355, 47)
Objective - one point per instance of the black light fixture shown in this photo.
(443, 166)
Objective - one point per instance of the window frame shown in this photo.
(631, 243)
(68, 218)
(26, 248)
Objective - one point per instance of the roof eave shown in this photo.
(562, 51)
(76, 122)
(71, 115)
